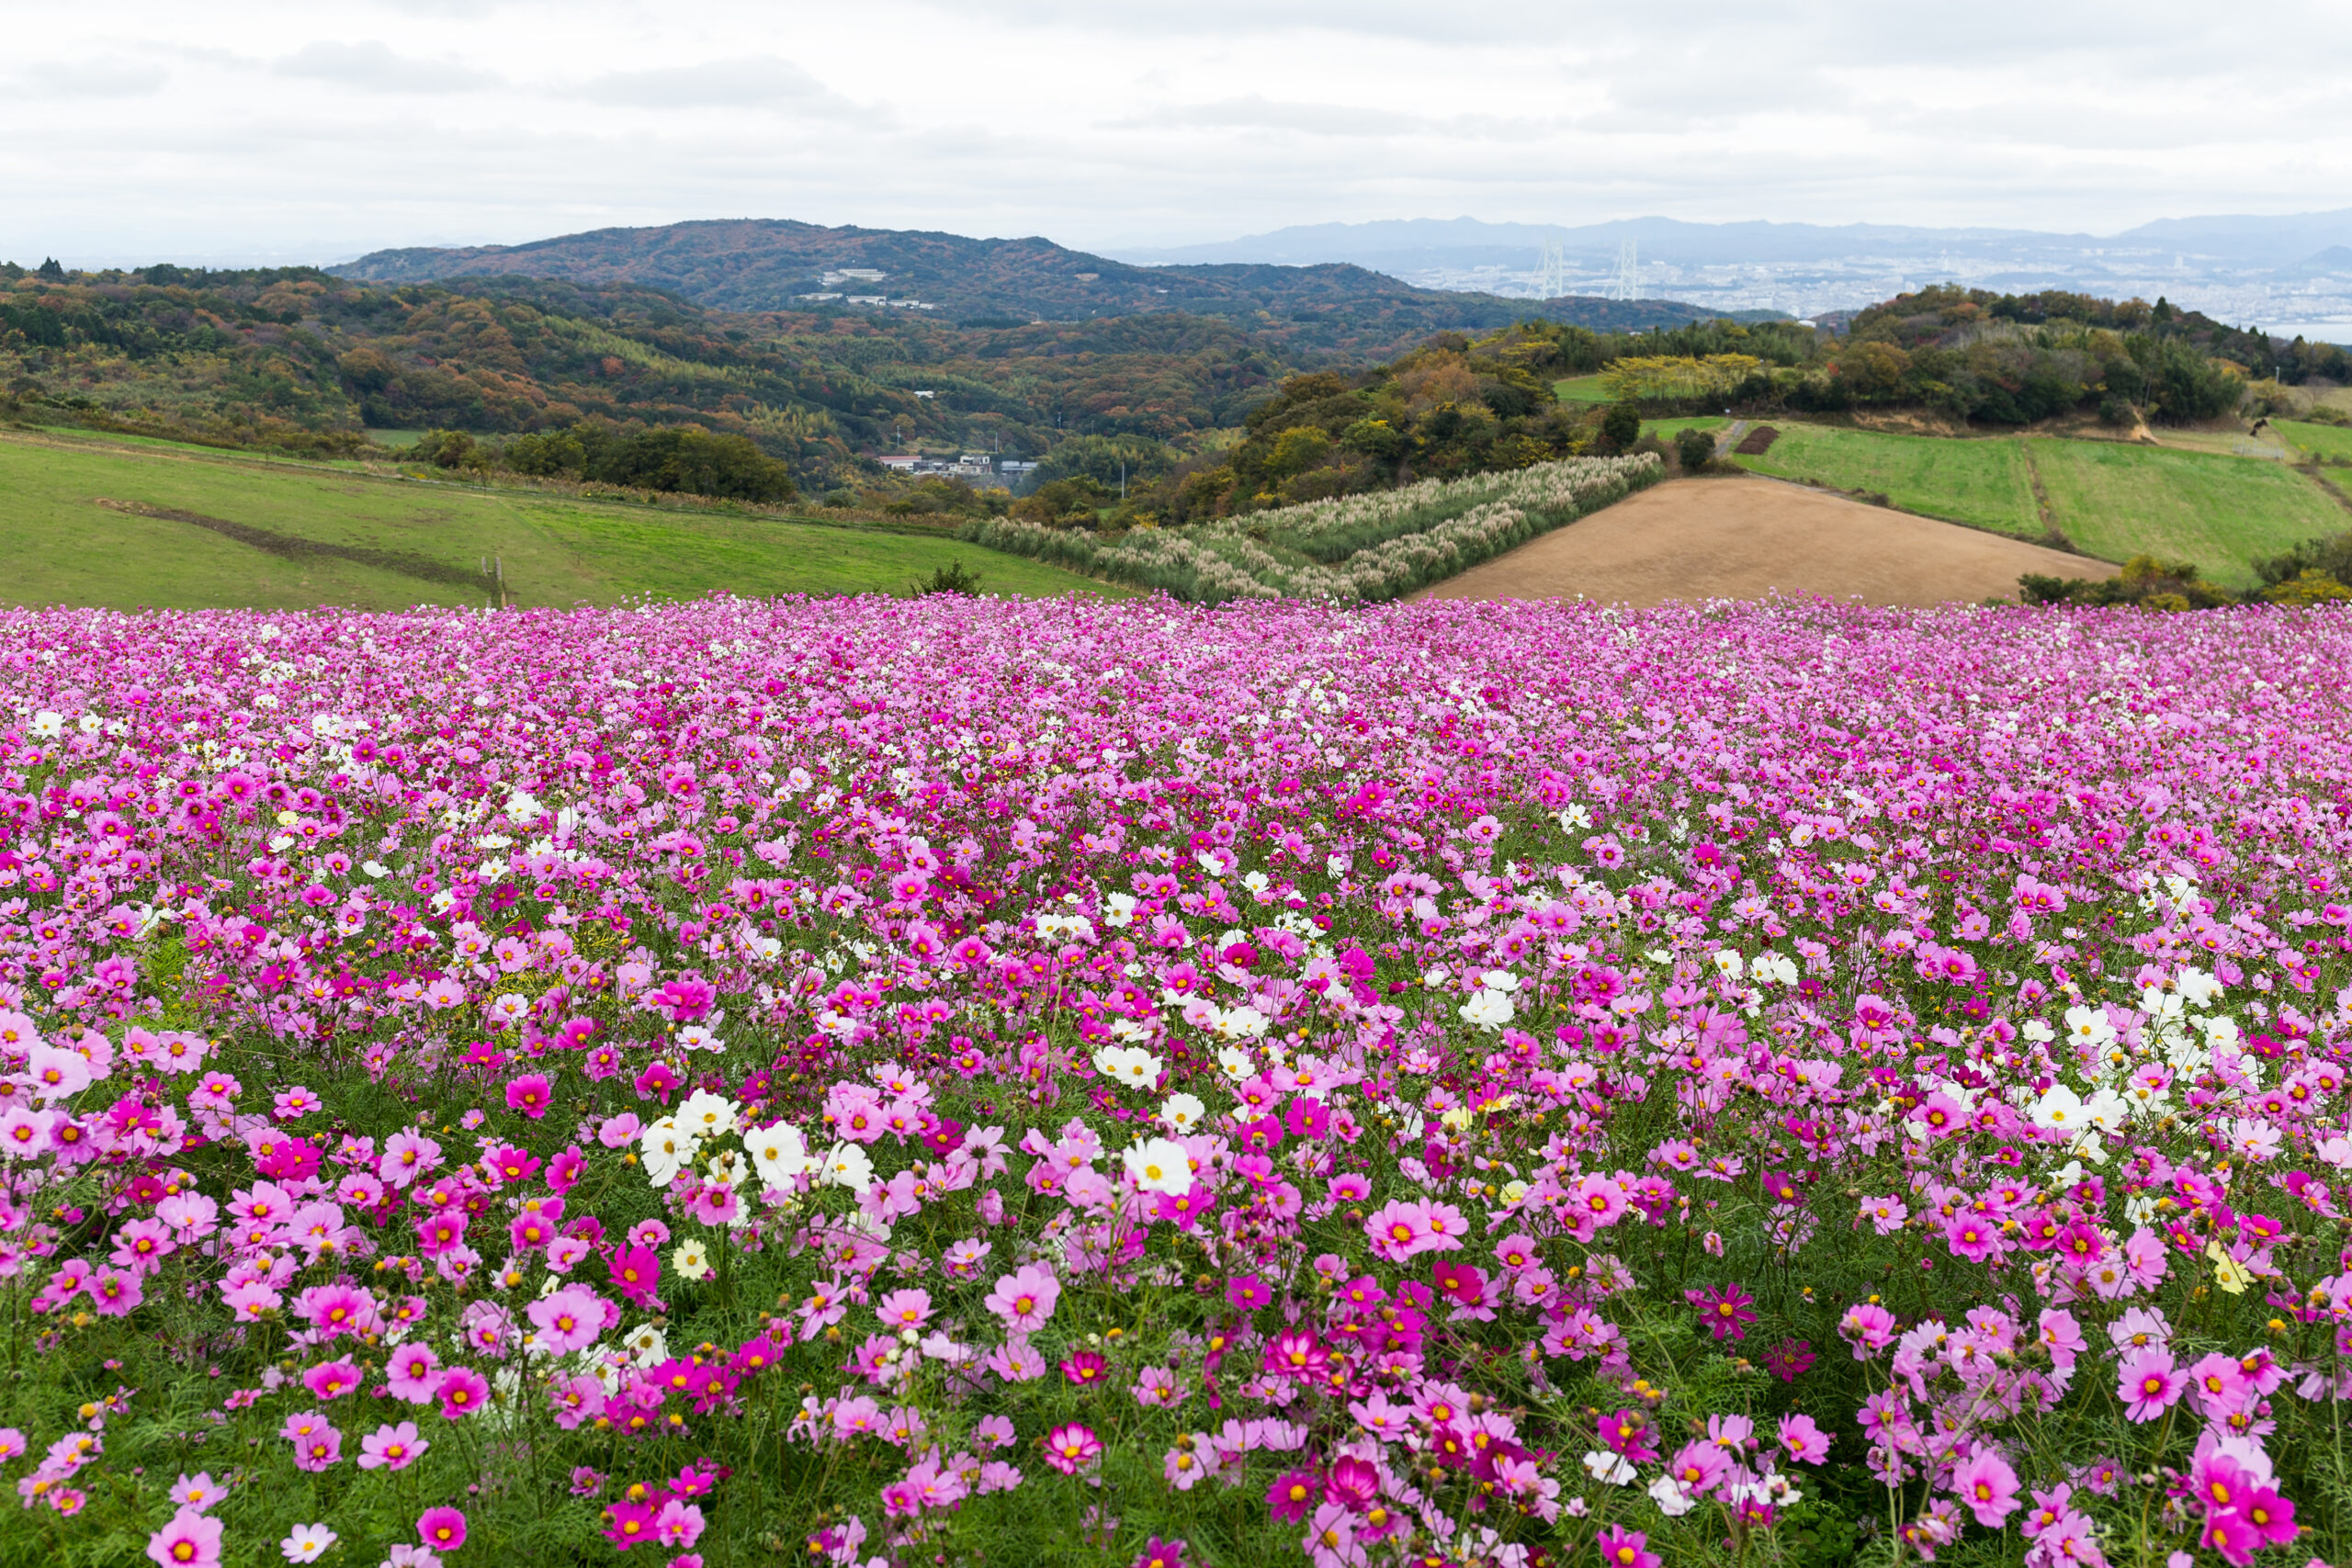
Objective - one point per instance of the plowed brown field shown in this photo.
(1745, 538)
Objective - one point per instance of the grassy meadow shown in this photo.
(2115, 501)
(64, 547)
(2325, 440)
(1984, 484)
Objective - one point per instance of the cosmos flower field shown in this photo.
(944, 1081)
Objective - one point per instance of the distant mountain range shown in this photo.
(2266, 242)
(777, 265)
(2294, 269)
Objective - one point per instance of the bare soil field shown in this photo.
(1743, 539)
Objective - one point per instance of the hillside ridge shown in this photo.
(763, 264)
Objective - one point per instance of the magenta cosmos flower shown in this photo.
(1625, 1549)
(444, 1530)
(1724, 1310)
(2148, 1384)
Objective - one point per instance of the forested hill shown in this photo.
(770, 263)
(296, 357)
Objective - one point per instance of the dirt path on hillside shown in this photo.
(1742, 539)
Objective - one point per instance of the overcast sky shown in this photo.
(268, 129)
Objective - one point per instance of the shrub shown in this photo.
(1694, 449)
(1621, 426)
(952, 577)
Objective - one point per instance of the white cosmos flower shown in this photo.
(847, 1166)
(1183, 1112)
(2060, 1109)
(1245, 1023)
(1234, 1063)
(1159, 1165)
(666, 1148)
(1671, 1499)
(779, 1153)
(1605, 1466)
(2105, 1110)
(1129, 1065)
(1489, 1009)
(706, 1115)
(2089, 1027)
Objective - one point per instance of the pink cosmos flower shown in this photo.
(679, 1523)
(1025, 1298)
(320, 1446)
(1802, 1439)
(905, 1309)
(332, 1380)
(462, 1391)
(1247, 1293)
(2235, 1536)
(1867, 1327)
(391, 1447)
(412, 1371)
(568, 1319)
(190, 1541)
(1070, 1448)
(1699, 1467)
(2272, 1516)
(1986, 1485)
(198, 1492)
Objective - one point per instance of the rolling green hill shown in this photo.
(102, 521)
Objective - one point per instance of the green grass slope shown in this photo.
(2116, 501)
(62, 546)
(1981, 482)
(2321, 440)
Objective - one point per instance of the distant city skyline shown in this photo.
(261, 129)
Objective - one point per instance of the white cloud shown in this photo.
(759, 82)
(99, 78)
(373, 66)
(1131, 123)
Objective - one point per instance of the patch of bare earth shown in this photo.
(1745, 538)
